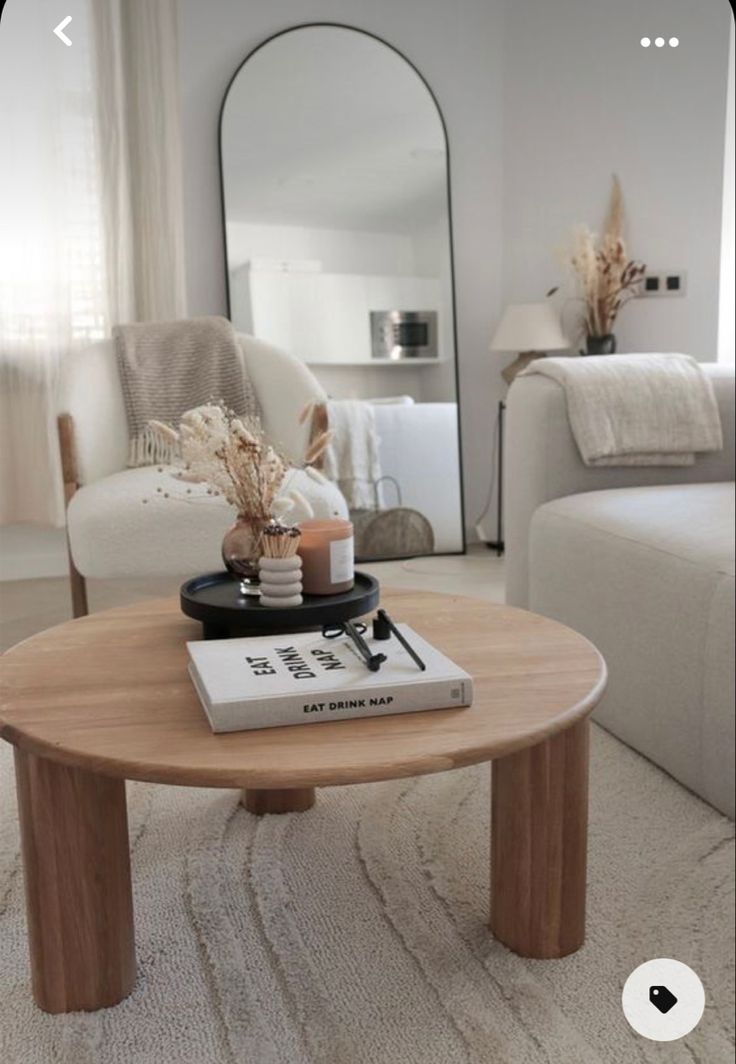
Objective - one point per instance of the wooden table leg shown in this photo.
(76, 864)
(293, 800)
(539, 833)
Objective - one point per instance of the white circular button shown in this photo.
(645, 42)
(663, 999)
(659, 41)
(673, 42)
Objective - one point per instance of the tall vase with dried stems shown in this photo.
(606, 277)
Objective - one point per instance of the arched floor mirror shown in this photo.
(336, 207)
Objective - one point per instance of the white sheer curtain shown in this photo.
(51, 293)
(90, 211)
(140, 157)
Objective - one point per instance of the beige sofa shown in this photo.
(642, 562)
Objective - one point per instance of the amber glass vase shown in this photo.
(241, 549)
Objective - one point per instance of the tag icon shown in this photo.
(662, 998)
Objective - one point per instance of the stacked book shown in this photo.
(303, 678)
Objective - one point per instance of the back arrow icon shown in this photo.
(59, 31)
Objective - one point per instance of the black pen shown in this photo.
(407, 647)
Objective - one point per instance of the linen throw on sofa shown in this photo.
(637, 410)
(167, 368)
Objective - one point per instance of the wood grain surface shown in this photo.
(76, 867)
(109, 693)
(539, 835)
(297, 800)
(70, 474)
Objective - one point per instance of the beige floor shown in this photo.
(29, 606)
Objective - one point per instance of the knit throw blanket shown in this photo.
(637, 410)
(167, 368)
(352, 460)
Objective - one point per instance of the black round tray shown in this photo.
(215, 599)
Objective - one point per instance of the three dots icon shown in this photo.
(659, 42)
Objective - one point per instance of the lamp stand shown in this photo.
(498, 543)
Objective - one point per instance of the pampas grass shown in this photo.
(318, 446)
(606, 277)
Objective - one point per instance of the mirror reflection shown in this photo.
(338, 251)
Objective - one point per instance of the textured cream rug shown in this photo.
(355, 932)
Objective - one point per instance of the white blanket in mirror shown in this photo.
(351, 460)
(414, 445)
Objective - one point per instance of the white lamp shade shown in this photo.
(529, 327)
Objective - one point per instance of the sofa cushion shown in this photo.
(647, 574)
(113, 532)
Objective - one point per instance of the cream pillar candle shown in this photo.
(327, 551)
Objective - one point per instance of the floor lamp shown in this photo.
(532, 329)
(498, 544)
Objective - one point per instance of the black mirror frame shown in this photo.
(393, 48)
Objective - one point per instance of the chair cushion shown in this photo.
(143, 522)
(648, 575)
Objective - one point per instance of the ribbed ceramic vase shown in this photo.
(281, 582)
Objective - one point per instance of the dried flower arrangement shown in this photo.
(233, 457)
(606, 276)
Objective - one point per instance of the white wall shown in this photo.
(431, 260)
(32, 551)
(457, 47)
(339, 250)
(583, 99)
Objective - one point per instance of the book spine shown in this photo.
(368, 702)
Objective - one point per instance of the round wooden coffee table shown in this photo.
(106, 698)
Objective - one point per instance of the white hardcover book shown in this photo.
(303, 678)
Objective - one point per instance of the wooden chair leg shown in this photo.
(67, 449)
(78, 587)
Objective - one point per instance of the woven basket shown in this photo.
(397, 532)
